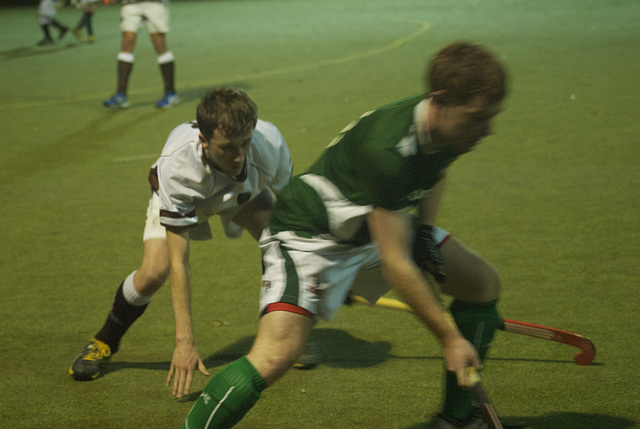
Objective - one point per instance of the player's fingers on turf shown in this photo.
(171, 371)
(187, 383)
(185, 380)
(202, 368)
(176, 384)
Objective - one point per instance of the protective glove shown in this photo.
(426, 253)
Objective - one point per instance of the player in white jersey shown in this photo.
(346, 217)
(226, 163)
(154, 14)
(47, 10)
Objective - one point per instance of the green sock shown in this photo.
(227, 397)
(477, 323)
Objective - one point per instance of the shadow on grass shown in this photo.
(154, 366)
(31, 51)
(223, 356)
(564, 421)
(337, 348)
(340, 349)
(521, 359)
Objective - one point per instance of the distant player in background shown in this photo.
(155, 16)
(226, 164)
(343, 225)
(47, 10)
(88, 8)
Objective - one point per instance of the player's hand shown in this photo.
(460, 354)
(426, 253)
(185, 360)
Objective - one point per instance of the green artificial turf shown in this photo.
(551, 200)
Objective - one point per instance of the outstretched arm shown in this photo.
(391, 231)
(185, 356)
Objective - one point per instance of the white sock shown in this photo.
(131, 294)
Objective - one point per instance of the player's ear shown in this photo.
(440, 97)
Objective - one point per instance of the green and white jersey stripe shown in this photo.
(377, 161)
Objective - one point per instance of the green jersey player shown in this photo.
(344, 225)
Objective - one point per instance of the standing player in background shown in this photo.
(155, 15)
(346, 217)
(88, 8)
(47, 10)
(223, 164)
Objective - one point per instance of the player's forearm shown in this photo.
(178, 247)
(409, 284)
(181, 300)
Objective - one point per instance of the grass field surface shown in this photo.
(551, 199)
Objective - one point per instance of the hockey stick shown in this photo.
(482, 399)
(585, 357)
(474, 384)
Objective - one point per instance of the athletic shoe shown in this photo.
(476, 421)
(91, 361)
(118, 101)
(46, 41)
(91, 38)
(309, 359)
(78, 33)
(169, 100)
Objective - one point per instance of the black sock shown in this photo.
(84, 20)
(45, 30)
(121, 317)
(59, 26)
(88, 23)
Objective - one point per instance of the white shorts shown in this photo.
(153, 14)
(46, 12)
(318, 274)
(154, 230)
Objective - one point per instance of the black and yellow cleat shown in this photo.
(91, 361)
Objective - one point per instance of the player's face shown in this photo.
(461, 127)
(227, 154)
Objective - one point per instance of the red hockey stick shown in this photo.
(585, 357)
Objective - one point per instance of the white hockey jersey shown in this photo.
(191, 190)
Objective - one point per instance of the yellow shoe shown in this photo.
(91, 38)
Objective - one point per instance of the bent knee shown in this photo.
(481, 286)
(148, 281)
(489, 289)
(272, 368)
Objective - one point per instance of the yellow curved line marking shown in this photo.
(424, 27)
